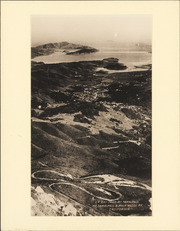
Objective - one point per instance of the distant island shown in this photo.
(86, 50)
(68, 48)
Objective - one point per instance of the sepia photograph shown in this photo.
(91, 115)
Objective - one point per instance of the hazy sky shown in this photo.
(90, 28)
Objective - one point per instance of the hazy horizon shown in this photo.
(91, 29)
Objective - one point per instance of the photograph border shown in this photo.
(15, 91)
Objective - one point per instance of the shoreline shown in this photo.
(141, 67)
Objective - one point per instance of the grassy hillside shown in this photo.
(87, 123)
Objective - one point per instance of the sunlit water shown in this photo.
(130, 58)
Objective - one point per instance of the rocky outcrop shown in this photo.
(113, 64)
(45, 204)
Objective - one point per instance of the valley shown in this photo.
(91, 138)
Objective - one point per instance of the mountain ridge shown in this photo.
(50, 48)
